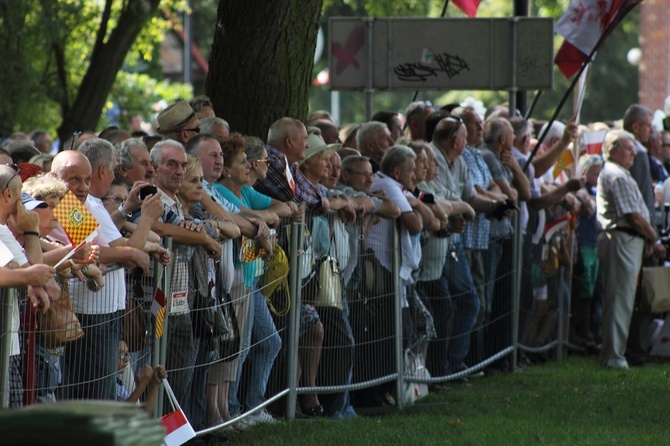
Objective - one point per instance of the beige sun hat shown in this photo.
(175, 118)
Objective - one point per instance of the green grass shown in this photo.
(574, 402)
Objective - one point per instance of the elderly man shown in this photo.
(329, 131)
(415, 119)
(392, 122)
(169, 157)
(90, 362)
(207, 149)
(18, 270)
(216, 127)
(133, 162)
(286, 145)
(373, 140)
(372, 318)
(637, 121)
(627, 235)
(455, 286)
(178, 122)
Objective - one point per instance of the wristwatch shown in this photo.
(122, 211)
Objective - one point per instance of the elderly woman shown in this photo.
(42, 194)
(245, 161)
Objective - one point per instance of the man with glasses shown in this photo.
(178, 122)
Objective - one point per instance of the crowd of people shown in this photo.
(446, 183)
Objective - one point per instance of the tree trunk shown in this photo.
(106, 61)
(261, 64)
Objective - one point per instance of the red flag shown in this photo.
(582, 25)
(469, 7)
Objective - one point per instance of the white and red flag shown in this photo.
(593, 142)
(582, 25)
(469, 7)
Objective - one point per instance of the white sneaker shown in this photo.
(262, 417)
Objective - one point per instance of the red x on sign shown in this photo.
(347, 56)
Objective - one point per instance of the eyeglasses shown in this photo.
(419, 107)
(363, 174)
(194, 130)
(16, 173)
(262, 160)
(114, 199)
(75, 135)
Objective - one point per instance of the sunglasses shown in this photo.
(16, 172)
(455, 128)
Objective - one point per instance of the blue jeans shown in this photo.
(454, 304)
(90, 363)
(262, 337)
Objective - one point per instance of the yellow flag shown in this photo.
(564, 161)
(77, 221)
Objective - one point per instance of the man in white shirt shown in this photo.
(35, 276)
(90, 363)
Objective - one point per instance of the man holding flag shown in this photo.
(90, 363)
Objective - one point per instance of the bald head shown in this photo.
(75, 169)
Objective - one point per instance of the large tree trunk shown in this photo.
(261, 63)
(106, 61)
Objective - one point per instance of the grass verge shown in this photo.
(574, 402)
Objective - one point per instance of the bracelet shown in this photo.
(36, 234)
(71, 263)
(84, 269)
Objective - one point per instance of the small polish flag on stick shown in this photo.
(593, 142)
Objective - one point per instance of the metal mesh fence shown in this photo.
(328, 327)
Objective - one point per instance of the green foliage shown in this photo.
(139, 94)
(51, 42)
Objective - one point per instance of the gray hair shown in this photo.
(521, 127)
(206, 124)
(349, 162)
(99, 152)
(494, 129)
(395, 156)
(368, 132)
(635, 114)
(123, 156)
(613, 140)
(254, 149)
(281, 129)
(156, 153)
(555, 131)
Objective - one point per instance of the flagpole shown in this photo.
(533, 104)
(610, 26)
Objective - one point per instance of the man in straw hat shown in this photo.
(178, 122)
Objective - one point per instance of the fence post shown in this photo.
(517, 252)
(295, 273)
(561, 311)
(5, 340)
(397, 298)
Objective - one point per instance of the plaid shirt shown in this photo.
(276, 184)
(618, 194)
(476, 234)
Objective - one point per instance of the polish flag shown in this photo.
(177, 426)
(178, 429)
(582, 25)
(469, 7)
(593, 142)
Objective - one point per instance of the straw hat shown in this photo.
(175, 118)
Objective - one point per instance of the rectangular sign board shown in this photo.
(441, 54)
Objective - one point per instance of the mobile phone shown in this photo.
(147, 190)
